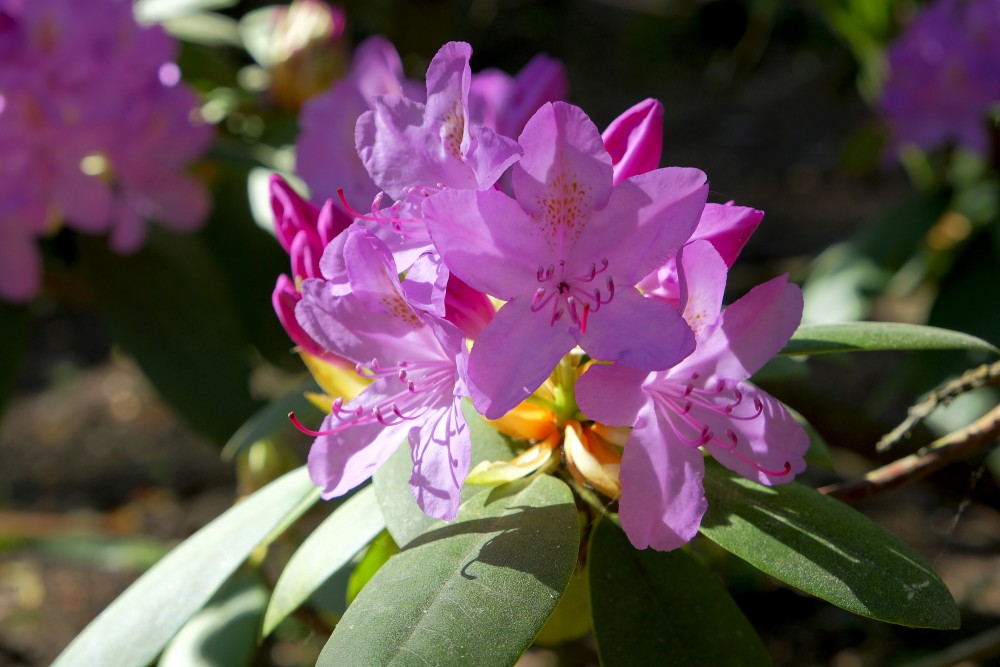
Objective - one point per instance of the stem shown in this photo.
(906, 470)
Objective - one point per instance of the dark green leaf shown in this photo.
(224, 633)
(169, 308)
(871, 336)
(403, 518)
(135, 627)
(329, 548)
(825, 548)
(652, 605)
(472, 592)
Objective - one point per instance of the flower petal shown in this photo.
(657, 336)
(753, 329)
(763, 445)
(441, 452)
(662, 499)
(340, 462)
(482, 238)
(635, 139)
(702, 285)
(648, 218)
(513, 356)
(611, 393)
(565, 173)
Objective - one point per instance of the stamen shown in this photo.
(308, 431)
(373, 218)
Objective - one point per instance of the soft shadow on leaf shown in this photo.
(513, 547)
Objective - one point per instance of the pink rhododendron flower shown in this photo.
(94, 126)
(564, 256)
(702, 402)
(944, 75)
(418, 363)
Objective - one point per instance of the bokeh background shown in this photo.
(776, 101)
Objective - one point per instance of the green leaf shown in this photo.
(872, 336)
(329, 548)
(472, 592)
(15, 323)
(651, 604)
(378, 554)
(168, 306)
(224, 632)
(825, 548)
(403, 518)
(135, 627)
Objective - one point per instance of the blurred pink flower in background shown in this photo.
(944, 75)
(95, 131)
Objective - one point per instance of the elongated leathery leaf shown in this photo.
(871, 336)
(825, 548)
(403, 518)
(472, 592)
(136, 627)
(329, 548)
(659, 607)
(224, 632)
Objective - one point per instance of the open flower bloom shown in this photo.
(702, 402)
(944, 75)
(418, 366)
(565, 255)
(406, 145)
(96, 130)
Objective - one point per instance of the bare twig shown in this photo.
(984, 376)
(908, 469)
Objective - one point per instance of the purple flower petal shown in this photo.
(635, 140)
(663, 499)
(513, 356)
(657, 336)
(752, 330)
(611, 394)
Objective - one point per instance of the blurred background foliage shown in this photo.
(774, 100)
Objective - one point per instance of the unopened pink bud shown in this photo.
(466, 308)
(635, 140)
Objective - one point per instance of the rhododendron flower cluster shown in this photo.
(944, 76)
(562, 282)
(95, 131)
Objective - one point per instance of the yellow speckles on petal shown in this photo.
(397, 306)
(453, 131)
(564, 207)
